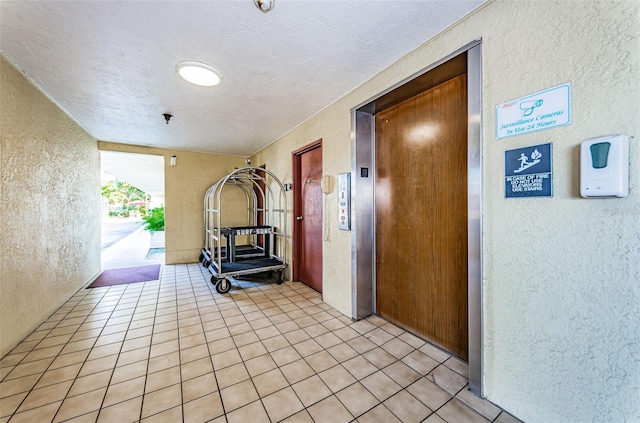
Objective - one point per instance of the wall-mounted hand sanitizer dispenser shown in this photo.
(604, 166)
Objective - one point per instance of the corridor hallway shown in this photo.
(175, 350)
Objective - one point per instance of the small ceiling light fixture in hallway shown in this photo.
(199, 73)
(265, 6)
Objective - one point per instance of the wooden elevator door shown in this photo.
(421, 215)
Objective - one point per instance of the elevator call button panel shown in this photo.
(344, 201)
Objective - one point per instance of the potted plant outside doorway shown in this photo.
(154, 223)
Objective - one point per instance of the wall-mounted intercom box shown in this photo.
(325, 184)
(604, 166)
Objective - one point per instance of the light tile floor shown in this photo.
(175, 350)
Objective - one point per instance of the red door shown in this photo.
(308, 216)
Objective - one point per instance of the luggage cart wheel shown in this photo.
(280, 277)
(201, 257)
(222, 286)
(206, 263)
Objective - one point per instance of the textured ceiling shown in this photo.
(111, 64)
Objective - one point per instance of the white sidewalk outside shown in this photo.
(131, 251)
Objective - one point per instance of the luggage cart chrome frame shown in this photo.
(220, 254)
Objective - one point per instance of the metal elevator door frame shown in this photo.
(363, 191)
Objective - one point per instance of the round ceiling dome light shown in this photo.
(265, 6)
(199, 73)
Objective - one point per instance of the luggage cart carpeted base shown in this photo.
(242, 267)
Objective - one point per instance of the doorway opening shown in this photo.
(132, 209)
(369, 201)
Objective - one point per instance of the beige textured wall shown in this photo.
(561, 275)
(329, 125)
(49, 207)
(185, 186)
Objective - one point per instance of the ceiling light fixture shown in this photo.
(265, 6)
(199, 73)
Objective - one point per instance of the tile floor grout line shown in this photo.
(244, 361)
(56, 356)
(260, 398)
(209, 348)
(355, 378)
(381, 402)
(123, 341)
(36, 330)
(290, 385)
(213, 370)
(179, 345)
(91, 349)
(155, 316)
(260, 306)
(397, 360)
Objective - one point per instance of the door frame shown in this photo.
(297, 205)
(363, 277)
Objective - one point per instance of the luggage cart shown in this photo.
(259, 243)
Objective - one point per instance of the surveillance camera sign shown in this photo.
(542, 110)
(528, 172)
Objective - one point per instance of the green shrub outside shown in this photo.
(154, 221)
